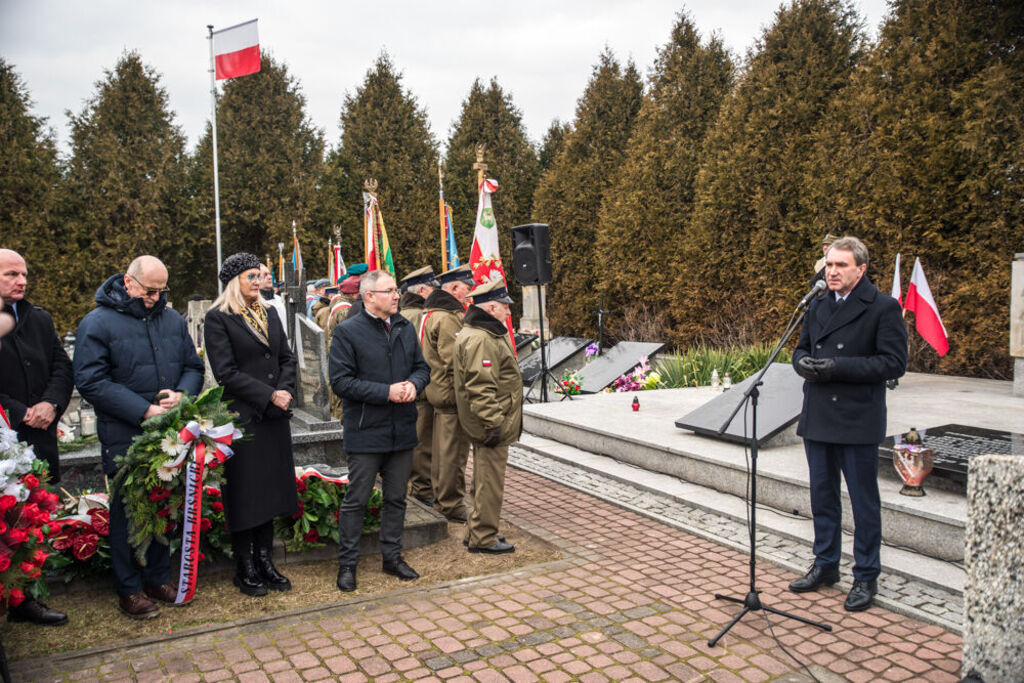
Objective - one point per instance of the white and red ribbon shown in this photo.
(195, 439)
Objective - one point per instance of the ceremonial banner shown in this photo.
(296, 252)
(484, 257)
(337, 266)
(451, 252)
(897, 290)
(378, 249)
(926, 314)
(236, 51)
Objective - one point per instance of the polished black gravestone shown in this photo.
(604, 369)
(779, 405)
(557, 351)
(954, 446)
(524, 338)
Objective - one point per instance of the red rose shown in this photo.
(7, 502)
(39, 557)
(212, 491)
(15, 537)
(312, 536)
(100, 520)
(30, 481)
(26, 567)
(51, 502)
(15, 597)
(204, 524)
(217, 506)
(5, 563)
(300, 485)
(84, 546)
(202, 557)
(163, 512)
(299, 513)
(36, 533)
(374, 510)
(3, 527)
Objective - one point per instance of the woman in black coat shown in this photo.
(249, 355)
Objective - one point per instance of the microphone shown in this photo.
(819, 287)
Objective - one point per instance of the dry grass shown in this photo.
(95, 619)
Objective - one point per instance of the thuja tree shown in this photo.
(569, 194)
(922, 156)
(271, 163)
(647, 207)
(385, 135)
(551, 145)
(124, 192)
(749, 248)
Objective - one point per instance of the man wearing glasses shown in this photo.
(377, 369)
(133, 360)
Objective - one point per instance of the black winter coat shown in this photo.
(261, 474)
(868, 340)
(366, 359)
(125, 354)
(34, 367)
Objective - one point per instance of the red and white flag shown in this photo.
(484, 256)
(236, 51)
(926, 314)
(897, 290)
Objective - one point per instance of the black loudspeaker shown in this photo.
(531, 254)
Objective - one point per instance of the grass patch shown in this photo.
(96, 620)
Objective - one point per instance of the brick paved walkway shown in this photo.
(632, 600)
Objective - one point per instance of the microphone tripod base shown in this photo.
(752, 603)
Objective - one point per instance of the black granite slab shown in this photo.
(557, 350)
(524, 338)
(602, 370)
(778, 406)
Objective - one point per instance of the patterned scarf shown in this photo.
(255, 317)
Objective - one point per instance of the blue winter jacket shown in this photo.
(125, 354)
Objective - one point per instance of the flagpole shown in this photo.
(441, 215)
(216, 180)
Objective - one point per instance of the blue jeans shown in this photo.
(129, 577)
(394, 469)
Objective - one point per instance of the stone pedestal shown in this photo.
(994, 592)
(1017, 323)
(530, 322)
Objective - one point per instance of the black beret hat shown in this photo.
(236, 264)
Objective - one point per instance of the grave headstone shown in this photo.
(533, 297)
(311, 357)
(602, 370)
(557, 351)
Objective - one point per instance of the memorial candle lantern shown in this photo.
(913, 462)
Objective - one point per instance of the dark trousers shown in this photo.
(129, 577)
(859, 467)
(363, 468)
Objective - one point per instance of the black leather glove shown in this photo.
(492, 438)
(805, 368)
(816, 369)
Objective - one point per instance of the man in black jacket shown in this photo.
(853, 340)
(377, 369)
(134, 359)
(35, 387)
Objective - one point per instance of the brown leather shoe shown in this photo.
(138, 606)
(166, 593)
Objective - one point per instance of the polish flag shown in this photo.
(926, 314)
(236, 51)
(897, 290)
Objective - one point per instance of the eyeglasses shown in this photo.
(149, 291)
(252, 276)
(389, 292)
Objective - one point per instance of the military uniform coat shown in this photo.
(488, 384)
(443, 322)
(261, 474)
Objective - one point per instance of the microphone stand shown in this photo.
(752, 601)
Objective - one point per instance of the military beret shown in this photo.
(356, 269)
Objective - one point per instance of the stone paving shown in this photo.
(898, 593)
(632, 599)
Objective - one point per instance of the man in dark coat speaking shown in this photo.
(853, 340)
(134, 359)
(377, 369)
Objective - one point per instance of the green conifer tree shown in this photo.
(922, 155)
(124, 192)
(646, 209)
(271, 163)
(386, 136)
(752, 242)
(29, 173)
(569, 195)
(552, 144)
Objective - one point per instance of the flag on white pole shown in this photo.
(236, 50)
(897, 290)
(926, 314)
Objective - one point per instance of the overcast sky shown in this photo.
(541, 51)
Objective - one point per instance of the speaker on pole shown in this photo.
(531, 254)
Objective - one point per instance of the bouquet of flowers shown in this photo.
(316, 522)
(639, 378)
(79, 535)
(25, 507)
(151, 478)
(569, 384)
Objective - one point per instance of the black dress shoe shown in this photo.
(274, 580)
(501, 539)
(401, 570)
(861, 595)
(346, 579)
(247, 578)
(37, 613)
(499, 548)
(815, 578)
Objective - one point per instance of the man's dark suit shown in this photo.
(844, 418)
